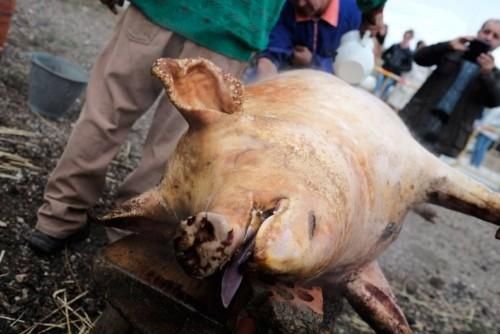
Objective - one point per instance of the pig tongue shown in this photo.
(232, 277)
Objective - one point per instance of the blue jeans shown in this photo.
(383, 86)
(480, 148)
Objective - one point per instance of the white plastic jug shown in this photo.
(355, 57)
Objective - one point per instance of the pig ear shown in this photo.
(199, 89)
(144, 214)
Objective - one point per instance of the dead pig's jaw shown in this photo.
(203, 243)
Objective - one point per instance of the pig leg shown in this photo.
(458, 192)
(370, 295)
(425, 211)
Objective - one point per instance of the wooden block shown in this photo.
(111, 322)
(142, 280)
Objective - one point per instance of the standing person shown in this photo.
(409, 84)
(308, 33)
(121, 89)
(488, 132)
(397, 59)
(442, 113)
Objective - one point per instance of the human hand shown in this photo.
(486, 61)
(265, 68)
(301, 56)
(112, 4)
(460, 43)
(373, 22)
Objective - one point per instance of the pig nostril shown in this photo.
(206, 231)
(191, 220)
(229, 239)
(304, 296)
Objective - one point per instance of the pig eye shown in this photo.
(312, 224)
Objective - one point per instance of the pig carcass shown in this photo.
(301, 176)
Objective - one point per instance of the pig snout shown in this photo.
(203, 243)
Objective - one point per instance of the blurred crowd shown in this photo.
(447, 93)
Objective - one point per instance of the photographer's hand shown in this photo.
(301, 56)
(460, 43)
(265, 68)
(486, 61)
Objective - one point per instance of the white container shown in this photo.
(368, 83)
(355, 58)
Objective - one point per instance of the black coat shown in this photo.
(397, 60)
(482, 91)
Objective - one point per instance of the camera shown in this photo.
(475, 48)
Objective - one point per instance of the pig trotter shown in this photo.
(371, 296)
(203, 243)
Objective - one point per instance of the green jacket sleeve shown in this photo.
(368, 5)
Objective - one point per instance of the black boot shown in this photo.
(43, 243)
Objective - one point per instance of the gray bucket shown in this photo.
(54, 84)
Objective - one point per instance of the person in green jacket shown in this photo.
(121, 89)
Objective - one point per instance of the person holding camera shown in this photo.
(441, 114)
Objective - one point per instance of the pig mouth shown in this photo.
(234, 270)
(205, 243)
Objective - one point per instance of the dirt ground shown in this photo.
(446, 275)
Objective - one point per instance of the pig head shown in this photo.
(243, 173)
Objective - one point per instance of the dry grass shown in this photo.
(12, 164)
(66, 317)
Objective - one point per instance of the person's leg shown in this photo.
(121, 89)
(168, 125)
(379, 85)
(475, 152)
(480, 149)
(389, 83)
(486, 142)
